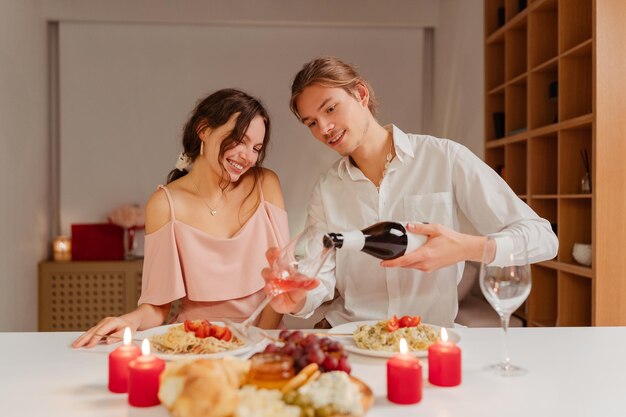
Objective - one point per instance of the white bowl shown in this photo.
(582, 253)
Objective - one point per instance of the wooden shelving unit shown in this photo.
(554, 86)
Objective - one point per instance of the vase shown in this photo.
(130, 244)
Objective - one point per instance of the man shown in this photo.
(386, 174)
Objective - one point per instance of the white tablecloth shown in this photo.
(571, 372)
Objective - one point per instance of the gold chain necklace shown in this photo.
(212, 210)
(388, 158)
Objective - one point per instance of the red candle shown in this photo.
(118, 364)
(143, 378)
(444, 362)
(404, 377)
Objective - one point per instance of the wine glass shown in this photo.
(297, 265)
(506, 285)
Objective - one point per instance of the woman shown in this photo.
(207, 230)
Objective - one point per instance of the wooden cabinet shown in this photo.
(74, 296)
(555, 90)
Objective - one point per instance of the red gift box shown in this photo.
(97, 242)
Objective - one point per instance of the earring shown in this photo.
(201, 147)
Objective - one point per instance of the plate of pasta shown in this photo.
(382, 338)
(196, 339)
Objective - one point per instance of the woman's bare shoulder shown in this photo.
(157, 211)
(272, 191)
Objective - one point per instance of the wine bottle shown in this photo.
(384, 240)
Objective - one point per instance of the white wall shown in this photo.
(458, 108)
(127, 90)
(23, 160)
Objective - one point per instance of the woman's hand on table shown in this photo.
(290, 301)
(110, 326)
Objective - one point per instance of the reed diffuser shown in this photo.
(585, 182)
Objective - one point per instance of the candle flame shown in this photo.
(404, 348)
(127, 336)
(444, 334)
(145, 347)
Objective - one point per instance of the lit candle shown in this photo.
(62, 248)
(444, 362)
(143, 378)
(118, 364)
(404, 377)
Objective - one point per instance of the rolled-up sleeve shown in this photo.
(496, 211)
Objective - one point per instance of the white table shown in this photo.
(572, 372)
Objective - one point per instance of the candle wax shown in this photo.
(404, 379)
(143, 381)
(118, 367)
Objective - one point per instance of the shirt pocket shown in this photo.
(435, 208)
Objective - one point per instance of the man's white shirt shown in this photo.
(430, 180)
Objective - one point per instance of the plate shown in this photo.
(350, 345)
(256, 334)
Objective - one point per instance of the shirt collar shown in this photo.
(400, 141)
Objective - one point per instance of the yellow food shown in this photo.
(378, 337)
(302, 378)
(177, 340)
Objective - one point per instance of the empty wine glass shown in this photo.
(506, 285)
(297, 265)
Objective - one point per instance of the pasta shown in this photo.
(177, 340)
(377, 337)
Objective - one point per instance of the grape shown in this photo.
(310, 339)
(334, 346)
(315, 356)
(296, 336)
(312, 346)
(325, 352)
(297, 352)
(324, 341)
(330, 363)
(288, 348)
(344, 366)
(300, 363)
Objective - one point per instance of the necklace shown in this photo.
(212, 210)
(388, 158)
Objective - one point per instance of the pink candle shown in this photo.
(118, 364)
(404, 377)
(444, 362)
(143, 378)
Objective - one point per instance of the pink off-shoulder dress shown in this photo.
(215, 277)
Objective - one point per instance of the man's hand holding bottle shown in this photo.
(444, 247)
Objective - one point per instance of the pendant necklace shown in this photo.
(212, 210)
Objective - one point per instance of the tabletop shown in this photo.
(571, 372)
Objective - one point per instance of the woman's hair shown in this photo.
(329, 72)
(215, 111)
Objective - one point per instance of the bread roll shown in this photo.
(203, 387)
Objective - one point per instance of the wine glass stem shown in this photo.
(504, 319)
(247, 322)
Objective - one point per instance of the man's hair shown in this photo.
(330, 72)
